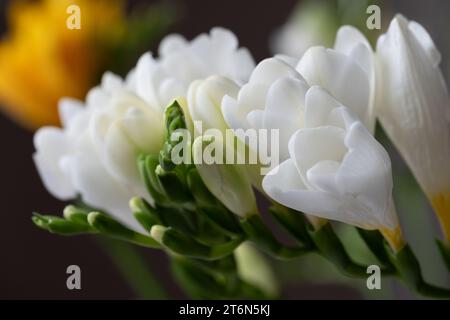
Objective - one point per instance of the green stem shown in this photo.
(330, 247)
(262, 237)
(134, 270)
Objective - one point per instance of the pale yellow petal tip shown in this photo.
(394, 237)
(441, 206)
(157, 233)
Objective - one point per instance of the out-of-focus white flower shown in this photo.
(413, 107)
(336, 169)
(94, 154)
(180, 62)
(311, 24)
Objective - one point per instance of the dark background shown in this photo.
(33, 262)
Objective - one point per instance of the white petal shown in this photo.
(414, 104)
(227, 182)
(365, 174)
(308, 147)
(425, 40)
(243, 64)
(145, 80)
(111, 82)
(171, 89)
(269, 70)
(351, 42)
(323, 175)
(52, 146)
(338, 74)
(68, 108)
(319, 105)
(205, 98)
(285, 187)
(101, 191)
(171, 43)
(285, 109)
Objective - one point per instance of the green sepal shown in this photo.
(375, 242)
(147, 165)
(60, 225)
(200, 192)
(408, 268)
(76, 214)
(183, 244)
(225, 220)
(330, 247)
(209, 206)
(197, 282)
(174, 188)
(110, 227)
(174, 120)
(444, 249)
(258, 233)
(294, 223)
(144, 213)
(202, 280)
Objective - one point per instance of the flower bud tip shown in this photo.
(157, 233)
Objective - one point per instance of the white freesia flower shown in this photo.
(205, 99)
(336, 169)
(227, 182)
(94, 154)
(169, 76)
(347, 72)
(414, 109)
(274, 96)
(311, 24)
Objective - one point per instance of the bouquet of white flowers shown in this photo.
(171, 157)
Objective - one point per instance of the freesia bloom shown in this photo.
(94, 154)
(41, 60)
(274, 96)
(279, 97)
(336, 169)
(205, 99)
(413, 108)
(229, 182)
(169, 76)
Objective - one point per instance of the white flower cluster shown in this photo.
(325, 106)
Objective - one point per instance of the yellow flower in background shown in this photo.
(41, 60)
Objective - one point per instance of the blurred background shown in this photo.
(33, 262)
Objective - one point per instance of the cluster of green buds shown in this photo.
(206, 241)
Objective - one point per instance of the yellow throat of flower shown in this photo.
(441, 206)
(394, 237)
